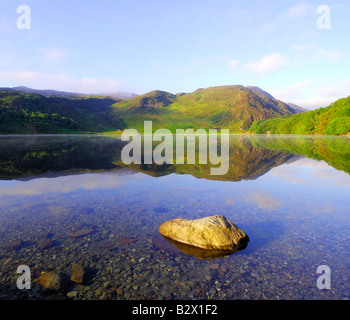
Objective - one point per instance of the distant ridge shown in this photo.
(127, 95)
(57, 93)
(266, 94)
(234, 107)
(298, 108)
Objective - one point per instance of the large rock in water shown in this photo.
(51, 281)
(210, 233)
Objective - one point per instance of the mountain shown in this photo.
(231, 107)
(236, 108)
(34, 113)
(261, 92)
(153, 99)
(55, 93)
(295, 107)
(48, 92)
(118, 94)
(332, 120)
(298, 108)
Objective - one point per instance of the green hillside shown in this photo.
(332, 120)
(237, 108)
(33, 113)
(228, 107)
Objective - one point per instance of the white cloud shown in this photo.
(302, 47)
(55, 55)
(293, 91)
(207, 61)
(297, 11)
(233, 64)
(329, 93)
(62, 81)
(268, 64)
(323, 55)
(290, 15)
(315, 103)
(307, 95)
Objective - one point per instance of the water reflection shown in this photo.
(290, 194)
(53, 183)
(175, 247)
(249, 156)
(263, 200)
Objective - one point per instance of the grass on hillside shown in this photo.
(332, 120)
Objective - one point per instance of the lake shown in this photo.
(67, 200)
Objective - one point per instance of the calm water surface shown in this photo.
(289, 194)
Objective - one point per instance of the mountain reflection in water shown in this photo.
(26, 157)
(288, 193)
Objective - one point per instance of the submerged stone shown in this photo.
(82, 232)
(14, 245)
(51, 281)
(163, 244)
(45, 244)
(210, 233)
(78, 273)
(126, 240)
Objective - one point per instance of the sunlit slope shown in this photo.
(226, 107)
(332, 120)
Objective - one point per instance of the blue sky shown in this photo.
(179, 46)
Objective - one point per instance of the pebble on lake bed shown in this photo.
(78, 273)
(82, 232)
(45, 244)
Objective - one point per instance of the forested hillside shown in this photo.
(332, 120)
